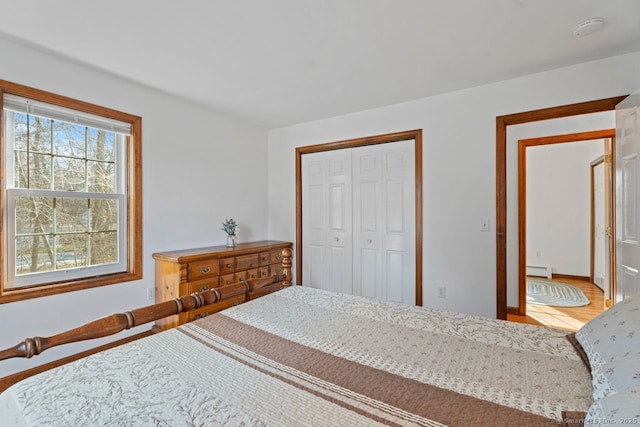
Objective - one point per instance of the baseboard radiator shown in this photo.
(539, 271)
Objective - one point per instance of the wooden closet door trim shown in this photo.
(415, 135)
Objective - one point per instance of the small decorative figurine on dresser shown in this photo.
(230, 227)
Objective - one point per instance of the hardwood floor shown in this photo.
(566, 318)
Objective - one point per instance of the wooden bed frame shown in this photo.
(118, 322)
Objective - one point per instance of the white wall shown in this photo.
(459, 166)
(559, 205)
(196, 172)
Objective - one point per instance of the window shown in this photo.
(71, 200)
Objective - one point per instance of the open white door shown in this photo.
(628, 197)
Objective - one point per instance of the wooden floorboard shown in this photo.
(566, 318)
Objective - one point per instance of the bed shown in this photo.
(303, 356)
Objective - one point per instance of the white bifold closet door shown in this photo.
(359, 221)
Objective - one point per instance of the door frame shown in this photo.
(416, 136)
(592, 223)
(608, 160)
(523, 144)
(502, 122)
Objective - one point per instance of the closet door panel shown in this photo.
(398, 172)
(368, 270)
(367, 221)
(396, 266)
(314, 262)
(326, 198)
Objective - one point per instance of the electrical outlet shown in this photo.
(151, 294)
(484, 224)
(442, 292)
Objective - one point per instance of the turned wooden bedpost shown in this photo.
(118, 322)
(286, 267)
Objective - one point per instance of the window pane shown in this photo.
(33, 254)
(20, 169)
(104, 215)
(20, 131)
(69, 140)
(71, 251)
(39, 134)
(69, 174)
(101, 177)
(72, 215)
(101, 145)
(39, 172)
(104, 248)
(34, 215)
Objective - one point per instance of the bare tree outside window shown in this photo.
(56, 233)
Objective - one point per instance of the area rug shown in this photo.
(545, 292)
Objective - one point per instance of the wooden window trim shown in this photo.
(134, 198)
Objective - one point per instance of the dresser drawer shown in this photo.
(202, 269)
(202, 285)
(246, 262)
(227, 265)
(265, 258)
(276, 256)
(240, 276)
(264, 272)
(254, 273)
(275, 269)
(227, 279)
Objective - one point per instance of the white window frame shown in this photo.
(13, 281)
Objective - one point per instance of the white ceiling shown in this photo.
(281, 62)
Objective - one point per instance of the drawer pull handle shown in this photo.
(204, 288)
(229, 282)
(229, 265)
(205, 270)
(278, 256)
(265, 258)
(253, 276)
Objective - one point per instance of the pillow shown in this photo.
(623, 373)
(615, 410)
(612, 333)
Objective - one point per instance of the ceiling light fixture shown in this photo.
(588, 26)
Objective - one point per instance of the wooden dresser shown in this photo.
(183, 272)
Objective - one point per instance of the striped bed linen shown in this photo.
(303, 356)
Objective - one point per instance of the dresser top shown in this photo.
(194, 254)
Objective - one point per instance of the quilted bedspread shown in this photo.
(302, 356)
